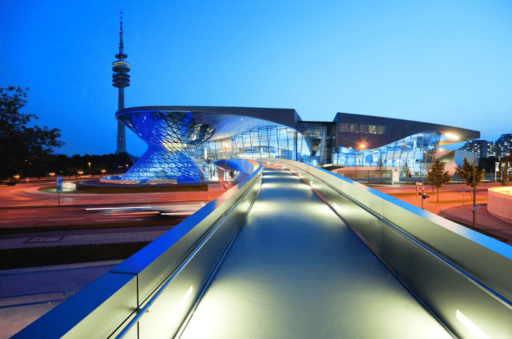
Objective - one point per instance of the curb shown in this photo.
(59, 267)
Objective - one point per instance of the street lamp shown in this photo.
(361, 146)
(89, 169)
(457, 137)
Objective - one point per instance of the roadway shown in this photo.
(295, 270)
(94, 214)
(28, 195)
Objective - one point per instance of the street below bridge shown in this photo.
(456, 205)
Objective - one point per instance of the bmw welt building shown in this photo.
(181, 139)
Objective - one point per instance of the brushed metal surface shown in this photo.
(163, 313)
(94, 312)
(297, 271)
(168, 312)
(155, 262)
(445, 290)
(453, 269)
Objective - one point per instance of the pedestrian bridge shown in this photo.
(293, 251)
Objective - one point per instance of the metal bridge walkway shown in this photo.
(295, 270)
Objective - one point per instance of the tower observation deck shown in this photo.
(121, 79)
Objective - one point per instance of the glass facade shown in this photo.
(318, 142)
(312, 142)
(182, 143)
(416, 151)
(171, 140)
(265, 142)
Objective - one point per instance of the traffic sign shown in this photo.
(463, 189)
(59, 184)
(422, 188)
(475, 208)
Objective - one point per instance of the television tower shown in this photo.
(121, 80)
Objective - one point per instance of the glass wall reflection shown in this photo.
(314, 143)
(416, 151)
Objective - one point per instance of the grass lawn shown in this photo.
(138, 189)
(60, 255)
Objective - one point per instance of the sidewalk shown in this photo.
(428, 188)
(485, 221)
(86, 239)
(450, 206)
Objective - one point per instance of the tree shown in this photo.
(437, 176)
(381, 168)
(466, 173)
(506, 175)
(23, 150)
(488, 164)
(405, 171)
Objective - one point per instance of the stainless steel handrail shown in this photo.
(467, 275)
(459, 275)
(163, 287)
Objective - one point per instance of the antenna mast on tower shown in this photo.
(121, 80)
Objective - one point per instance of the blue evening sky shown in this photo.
(447, 62)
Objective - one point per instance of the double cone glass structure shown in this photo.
(181, 139)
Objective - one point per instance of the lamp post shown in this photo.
(456, 137)
(89, 169)
(361, 146)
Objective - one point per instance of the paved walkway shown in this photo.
(296, 271)
(485, 221)
(85, 239)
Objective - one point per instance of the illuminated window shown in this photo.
(354, 128)
(344, 127)
(363, 128)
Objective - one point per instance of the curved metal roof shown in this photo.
(355, 128)
(283, 116)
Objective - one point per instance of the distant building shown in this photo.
(483, 148)
(486, 149)
(504, 145)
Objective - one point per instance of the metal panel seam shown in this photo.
(485, 287)
(182, 265)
